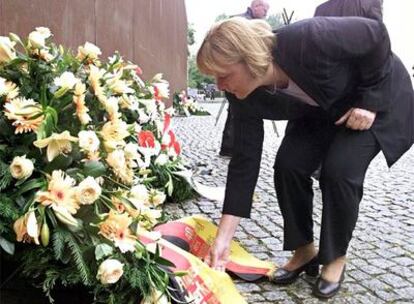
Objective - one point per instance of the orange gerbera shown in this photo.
(116, 229)
(60, 192)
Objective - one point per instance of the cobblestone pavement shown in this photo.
(380, 266)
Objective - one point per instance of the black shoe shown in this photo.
(324, 289)
(283, 276)
(225, 154)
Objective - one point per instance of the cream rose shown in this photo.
(88, 141)
(36, 40)
(88, 50)
(88, 191)
(21, 167)
(66, 81)
(110, 271)
(139, 196)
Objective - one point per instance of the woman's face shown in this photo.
(237, 80)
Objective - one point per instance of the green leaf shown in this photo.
(30, 185)
(161, 261)
(94, 168)
(7, 246)
(60, 162)
(53, 114)
(103, 250)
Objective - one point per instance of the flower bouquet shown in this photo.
(186, 105)
(87, 158)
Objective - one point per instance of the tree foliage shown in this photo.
(195, 78)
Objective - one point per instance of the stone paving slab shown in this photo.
(380, 265)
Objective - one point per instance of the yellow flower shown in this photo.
(79, 101)
(88, 50)
(113, 134)
(21, 168)
(7, 51)
(56, 144)
(60, 192)
(116, 229)
(117, 161)
(81, 109)
(110, 271)
(157, 197)
(22, 111)
(151, 217)
(112, 107)
(88, 191)
(95, 76)
(26, 228)
(119, 86)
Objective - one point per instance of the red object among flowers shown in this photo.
(138, 71)
(146, 139)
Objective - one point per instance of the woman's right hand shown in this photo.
(219, 252)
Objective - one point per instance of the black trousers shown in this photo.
(345, 155)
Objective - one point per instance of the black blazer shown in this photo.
(341, 63)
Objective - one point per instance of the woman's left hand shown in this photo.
(357, 119)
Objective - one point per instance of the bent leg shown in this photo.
(300, 153)
(341, 182)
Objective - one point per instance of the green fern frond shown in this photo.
(59, 239)
(5, 176)
(80, 262)
(8, 209)
(51, 277)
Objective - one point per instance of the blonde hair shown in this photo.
(237, 40)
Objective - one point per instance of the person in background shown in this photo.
(257, 10)
(344, 68)
(363, 8)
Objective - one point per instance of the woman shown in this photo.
(348, 97)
